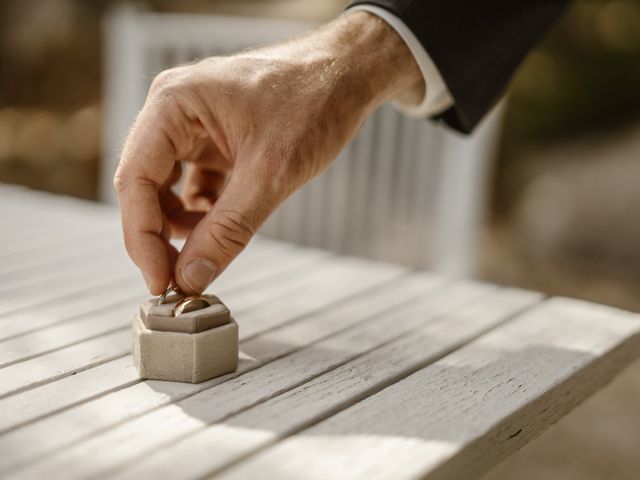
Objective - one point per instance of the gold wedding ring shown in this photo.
(190, 304)
(186, 304)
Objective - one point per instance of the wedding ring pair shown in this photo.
(185, 305)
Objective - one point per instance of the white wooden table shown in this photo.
(349, 369)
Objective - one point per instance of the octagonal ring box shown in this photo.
(191, 347)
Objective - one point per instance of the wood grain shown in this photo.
(463, 414)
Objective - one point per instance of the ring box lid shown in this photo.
(160, 317)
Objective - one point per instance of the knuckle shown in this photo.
(230, 231)
(176, 94)
(167, 80)
(170, 85)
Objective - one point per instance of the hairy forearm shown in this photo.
(381, 58)
(361, 54)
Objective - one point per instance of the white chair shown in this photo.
(403, 190)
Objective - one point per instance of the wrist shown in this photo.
(376, 58)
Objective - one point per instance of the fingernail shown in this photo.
(198, 274)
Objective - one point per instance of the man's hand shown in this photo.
(250, 130)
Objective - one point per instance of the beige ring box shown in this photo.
(191, 347)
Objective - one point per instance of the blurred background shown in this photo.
(558, 184)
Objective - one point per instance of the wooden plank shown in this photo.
(33, 215)
(38, 218)
(27, 269)
(28, 240)
(285, 286)
(22, 227)
(29, 405)
(137, 437)
(307, 298)
(127, 403)
(54, 250)
(40, 204)
(61, 363)
(67, 284)
(32, 225)
(462, 415)
(50, 273)
(324, 395)
(280, 261)
(32, 319)
(70, 333)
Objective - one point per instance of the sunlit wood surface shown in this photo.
(349, 368)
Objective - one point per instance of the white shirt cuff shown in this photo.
(437, 97)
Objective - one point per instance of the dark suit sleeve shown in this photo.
(476, 45)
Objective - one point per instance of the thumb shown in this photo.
(224, 232)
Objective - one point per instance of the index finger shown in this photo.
(146, 163)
